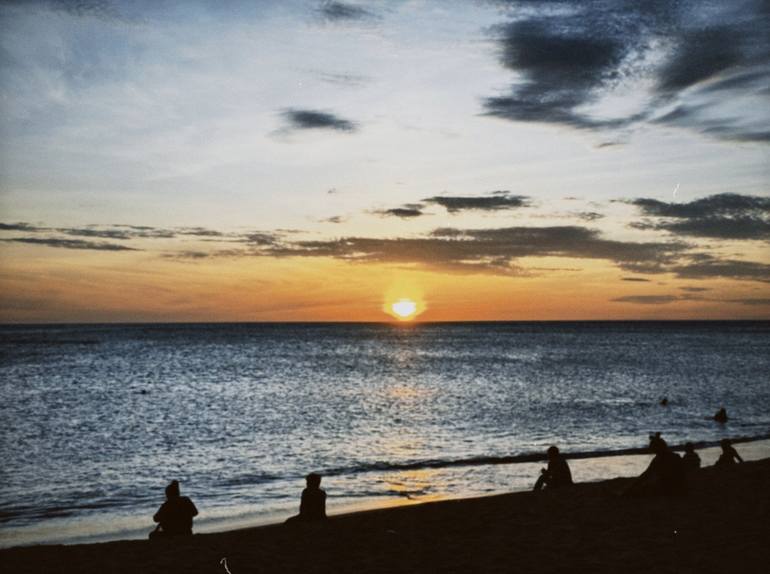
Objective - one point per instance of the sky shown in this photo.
(320, 160)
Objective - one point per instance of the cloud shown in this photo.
(635, 279)
(685, 65)
(407, 211)
(343, 12)
(338, 79)
(21, 227)
(334, 219)
(712, 268)
(70, 243)
(721, 216)
(496, 201)
(314, 120)
(694, 289)
(589, 215)
(487, 250)
(750, 301)
(647, 299)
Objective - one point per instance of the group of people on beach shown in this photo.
(665, 475)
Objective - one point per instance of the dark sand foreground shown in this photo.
(722, 526)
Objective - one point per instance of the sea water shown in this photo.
(97, 419)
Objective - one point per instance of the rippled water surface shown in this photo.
(96, 419)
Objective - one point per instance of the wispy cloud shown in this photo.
(70, 243)
(343, 12)
(571, 54)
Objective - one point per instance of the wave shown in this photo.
(381, 466)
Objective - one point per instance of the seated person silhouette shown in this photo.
(312, 507)
(690, 460)
(557, 474)
(729, 454)
(665, 474)
(721, 416)
(175, 516)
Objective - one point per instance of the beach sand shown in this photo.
(723, 525)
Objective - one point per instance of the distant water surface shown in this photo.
(97, 419)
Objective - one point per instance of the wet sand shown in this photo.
(723, 525)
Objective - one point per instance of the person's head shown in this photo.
(313, 480)
(552, 452)
(689, 447)
(172, 490)
(724, 443)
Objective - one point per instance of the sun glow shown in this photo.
(404, 308)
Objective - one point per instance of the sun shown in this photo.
(404, 308)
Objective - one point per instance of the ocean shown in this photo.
(97, 419)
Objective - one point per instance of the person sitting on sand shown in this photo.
(721, 416)
(557, 474)
(175, 516)
(729, 454)
(665, 474)
(312, 506)
(690, 460)
(654, 439)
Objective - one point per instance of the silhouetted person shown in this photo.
(312, 507)
(557, 474)
(664, 475)
(690, 460)
(175, 516)
(654, 440)
(664, 402)
(729, 454)
(721, 416)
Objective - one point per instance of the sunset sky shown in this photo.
(317, 161)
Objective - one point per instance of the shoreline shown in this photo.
(719, 526)
(517, 472)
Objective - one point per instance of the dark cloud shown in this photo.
(646, 299)
(26, 227)
(709, 267)
(695, 289)
(407, 211)
(261, 238)
(722, 216)
(589, 215)
(750, 301)
(200, 232)
(70, 243)
(636, 279)
(488, 250)
(570, 54)
(314, 119)
(496, 201)
(343, 12)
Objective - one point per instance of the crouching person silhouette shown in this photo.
(312, 507)
(175, 516)
(664, 476)
(557, 474)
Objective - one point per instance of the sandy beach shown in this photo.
(721, 526)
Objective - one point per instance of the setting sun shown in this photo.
(404, 308)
